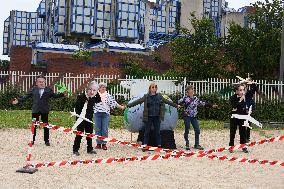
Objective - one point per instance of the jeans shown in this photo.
(155, 121)
(195, 124)
(101, 125)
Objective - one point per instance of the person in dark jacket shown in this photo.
(90, 97)
(238, 103)
(154, 112)
(40, 95)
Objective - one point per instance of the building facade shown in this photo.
(90, 21)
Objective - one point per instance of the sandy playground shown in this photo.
(179, 173)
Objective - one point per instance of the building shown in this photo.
(239, 17)
(88, 21)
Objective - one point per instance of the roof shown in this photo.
(119, 46)
(56, 47)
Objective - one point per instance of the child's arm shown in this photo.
(23, 98)
(205, 104)
(136, 102)
(55, 95)
(181, 101)
(169, 102)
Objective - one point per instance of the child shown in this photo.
(90, 97)
(238, 102)
(40, 95)
(191, 102)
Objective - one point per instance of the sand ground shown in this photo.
(180, 173)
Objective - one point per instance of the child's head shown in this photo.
(241, 90)
(189, 90)
(153, 88)
(102, 87)
(92, 88)
(40, 82)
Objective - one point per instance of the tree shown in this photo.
(257, 49)
(198, 54)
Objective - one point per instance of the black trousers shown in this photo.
(247, 134)
(234, 124)
(44, 119)
(88, 127)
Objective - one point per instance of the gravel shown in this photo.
(179, 173)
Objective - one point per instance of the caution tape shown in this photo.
(30, 144)
(167, 156)
(157, 149)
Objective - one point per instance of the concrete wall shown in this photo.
(236, 17)
(187, 7)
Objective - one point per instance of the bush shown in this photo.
(267, 111)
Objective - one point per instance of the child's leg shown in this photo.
(89, 129)
(105, 125)
(44, 119)
(78, 138)
(233, 129)
(242, 131)
(148, 125)
(35, 116)
(196, 128)
(186, 129)
(98, 125)
(157, 126)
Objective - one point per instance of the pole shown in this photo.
(282, 50)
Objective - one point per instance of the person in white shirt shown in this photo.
(102, 114)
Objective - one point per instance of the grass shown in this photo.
(22, 119)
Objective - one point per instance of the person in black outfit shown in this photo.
(90, 97)
(238, 102)
(40, 95)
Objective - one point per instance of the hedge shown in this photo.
(267, 111)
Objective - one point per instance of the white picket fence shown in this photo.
(270, 90)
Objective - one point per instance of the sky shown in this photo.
(31, 5)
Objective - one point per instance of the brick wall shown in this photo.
(101, 63)
(20, 59)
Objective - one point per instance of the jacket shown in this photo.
(40, 104)
(144, 100)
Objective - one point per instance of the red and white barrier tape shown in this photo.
(30, 144)
(167, 156)
(157, 149)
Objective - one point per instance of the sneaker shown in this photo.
(47, 144)
(144, 149)
(76, 153)
(99, 146)
(198, 147)
(245, 150)
(104, 147)
(92, 152)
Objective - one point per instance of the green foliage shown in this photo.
(85, 55)
(5, 64)
(197, 55)
(257, 50)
